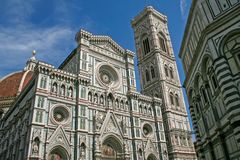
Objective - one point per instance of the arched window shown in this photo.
(171, 72)
(147, 75)
(162, 43)
(166, 70)
(152, 72)
(146, 46)
(177, 99)
(43, 82)
(83, 92)
(204, 96)
(171, 98)
(231, 49)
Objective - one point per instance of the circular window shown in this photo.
(60, 114)
(147, 129)
(107, 75)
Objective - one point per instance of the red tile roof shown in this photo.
(14, 83)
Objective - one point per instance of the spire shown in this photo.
(33, 55)
(31, 63)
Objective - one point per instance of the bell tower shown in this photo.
(159, 78)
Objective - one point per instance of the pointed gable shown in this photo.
(59, 138)
(110, 125)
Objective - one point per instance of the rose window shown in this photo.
(107, 75)
(60, 114)
(147, 129)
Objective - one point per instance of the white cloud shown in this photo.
(19, 35)
(16, 44)
(183, 6)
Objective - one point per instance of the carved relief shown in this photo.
(99, 118)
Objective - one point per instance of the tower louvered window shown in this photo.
(162, 43)
(146, 46)
(147, 76)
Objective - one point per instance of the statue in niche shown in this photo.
(127, 107)
(90, 97)
(54, 88)
(109, 102)
(95, 98)
(165, 157)
(121, 104)
(35, 146)
(70, 92)
(117, 104)
(82, 151)
(101, 100)
(140, 154)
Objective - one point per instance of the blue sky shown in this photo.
(49, 27)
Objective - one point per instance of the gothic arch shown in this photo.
(226, 38)
(206, 61)
(145, 44)
(112, 147)
(190, 95)
(147, 75)
(230, 48)
(153, 74)
(197, 80)
(151, 157)
(58, 152)
(162, 42)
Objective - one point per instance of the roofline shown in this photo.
(145, 12)
(67, 59)
(10, 74)
(187, 27)
(91, 37)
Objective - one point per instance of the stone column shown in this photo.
(97, 150)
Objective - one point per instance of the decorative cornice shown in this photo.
(98, 39)
(146, 11)
(209, 28)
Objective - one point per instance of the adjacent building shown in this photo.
(210, 53)
(89, 108)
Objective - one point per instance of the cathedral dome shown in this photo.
(12, 84)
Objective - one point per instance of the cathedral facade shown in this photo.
(210, 54)
(89, 108)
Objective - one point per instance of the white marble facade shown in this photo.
(89, 108)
